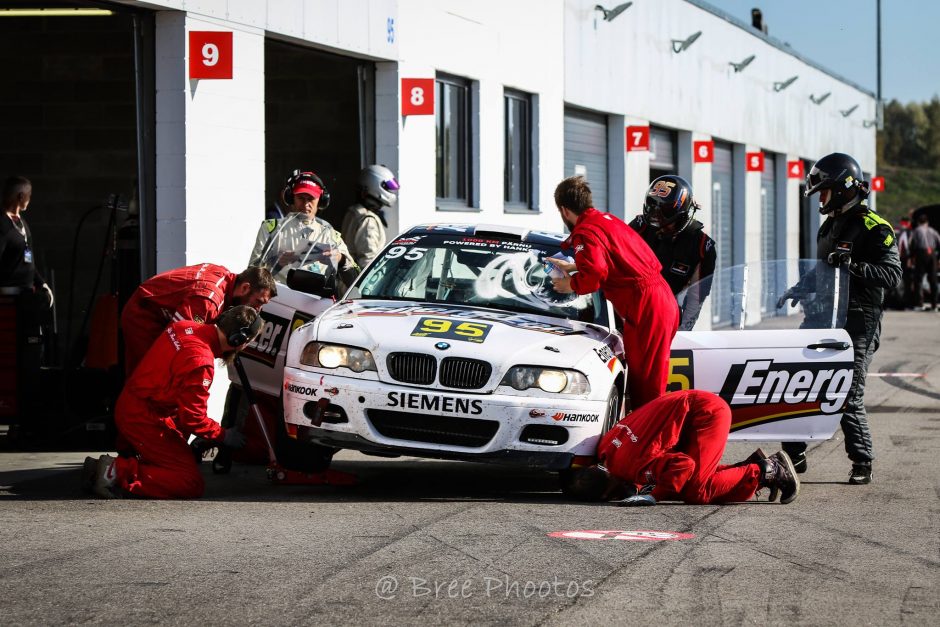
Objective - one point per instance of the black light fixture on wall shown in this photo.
(610, 14)
(679, 45)
(820, 99)
(780, 86)
(739, 67)
(849, 111)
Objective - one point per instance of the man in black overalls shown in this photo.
(27, 299)
(861, 242)
(686, 253)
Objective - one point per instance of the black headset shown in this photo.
(242, 336)
(297, 176)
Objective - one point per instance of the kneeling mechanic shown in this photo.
(164, 402)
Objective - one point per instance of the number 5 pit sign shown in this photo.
(210, 54)
(417, 96)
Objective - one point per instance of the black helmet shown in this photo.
(842, 176)
(669, 202)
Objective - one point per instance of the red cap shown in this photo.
(306, 186)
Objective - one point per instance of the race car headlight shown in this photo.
(551, 380)
(323, 355)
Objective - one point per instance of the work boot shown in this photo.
(778, 474)
(861, 473)
(799, 462)
(105, 477)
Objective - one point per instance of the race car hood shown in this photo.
(503, 339)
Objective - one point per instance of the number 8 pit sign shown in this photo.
(417, 96)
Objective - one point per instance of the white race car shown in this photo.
(452, 344)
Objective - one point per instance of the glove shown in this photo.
(233, 438)
(837, 259)
(793, 295)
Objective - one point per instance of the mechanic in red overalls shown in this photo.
(672, 446)
(610, 256)
(164, 402)
(196, 293)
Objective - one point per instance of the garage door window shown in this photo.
(453, 115)
(518, 138)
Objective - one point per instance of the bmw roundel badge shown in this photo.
(442, 346)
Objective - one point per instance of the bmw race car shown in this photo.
(452, 344)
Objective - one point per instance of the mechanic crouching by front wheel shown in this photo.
(669, 449)
(859, 241)
(163, 403)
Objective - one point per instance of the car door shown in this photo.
(784, 371)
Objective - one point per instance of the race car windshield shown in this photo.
(483, 271)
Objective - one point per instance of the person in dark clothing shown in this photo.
(30, 300)
(924, 244)
(17, 266)
(861, 242)
(686, 253)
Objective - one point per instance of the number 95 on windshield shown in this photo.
(451, 329)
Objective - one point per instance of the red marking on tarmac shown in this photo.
(638, 535)
(897, 374)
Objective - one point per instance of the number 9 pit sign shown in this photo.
(210, 54)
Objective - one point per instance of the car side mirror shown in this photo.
(311, 283)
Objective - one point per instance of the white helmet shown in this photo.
(377, 183)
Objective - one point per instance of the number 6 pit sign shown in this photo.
(417, 96)
(210, 54)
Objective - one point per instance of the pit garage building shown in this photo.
(157, 132)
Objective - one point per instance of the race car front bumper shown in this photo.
(375, 416)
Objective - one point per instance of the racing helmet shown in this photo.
(669, 203)
(842, 176)
(378, 184)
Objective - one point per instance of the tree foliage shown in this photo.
(911, 135)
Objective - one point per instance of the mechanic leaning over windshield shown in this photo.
(686, 253)
(301, 239)
(164, 402)
(610, 256)
(671, 447)
(858, 240)
(364, 223)
(200, 292)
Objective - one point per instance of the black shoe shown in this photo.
(799, 462)
(778, 474)
(861, 474)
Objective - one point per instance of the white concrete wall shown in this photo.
(210, 148)
(628, 66)
(498, 45)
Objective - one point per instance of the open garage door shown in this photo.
(319, 115)
(76, 118)
(586, 151)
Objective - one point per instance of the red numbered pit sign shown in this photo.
(638, 138)
(417, 96)
(878, 184)
(755, 162)
(210, 54)
(795, 170)
(703, 151)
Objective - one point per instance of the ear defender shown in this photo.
(296, 177)
(243, 335)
